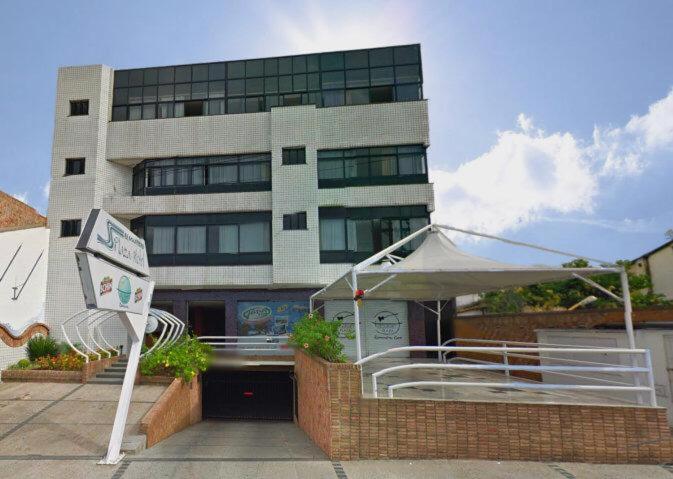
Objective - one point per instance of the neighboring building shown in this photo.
(658, 264)
(24, 243)
(254, 183)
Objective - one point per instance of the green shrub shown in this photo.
(41, 346)
(21, 364)
(317, 336)
(184, 359)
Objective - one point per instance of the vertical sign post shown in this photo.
(114, 272)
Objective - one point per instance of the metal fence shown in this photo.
(622, 370)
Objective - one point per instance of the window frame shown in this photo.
(79, 107)
(295, 221)
(74, 161)
(294, 155)
(71, 228)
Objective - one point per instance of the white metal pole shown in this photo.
(628, 320)
(356, 316)
(439, 328)
(135, 325)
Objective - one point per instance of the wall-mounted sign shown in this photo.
(107, 237)
(269, 318)
(107, 286)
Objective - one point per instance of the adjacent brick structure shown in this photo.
(16, 341)
(347, 426)
(15, 214)
(178, 407)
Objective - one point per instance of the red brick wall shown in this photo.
(178, 407)
(15, 341)
(349, 427)
(15, 214)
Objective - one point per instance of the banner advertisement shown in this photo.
(269, 318)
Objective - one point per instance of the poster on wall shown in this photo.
(384, 324)
(269, 318)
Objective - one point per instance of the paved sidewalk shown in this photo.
(61, 430)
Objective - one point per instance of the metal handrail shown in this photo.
(563, 369)
(273, 343)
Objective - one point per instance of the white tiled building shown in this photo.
(318, 162)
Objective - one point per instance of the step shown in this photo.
(113, 369)
(110, 375)
(105, 381)
(134, 444)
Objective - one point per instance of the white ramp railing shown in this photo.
(629, 363)
(248, 344)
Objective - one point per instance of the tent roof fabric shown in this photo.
(439, 270)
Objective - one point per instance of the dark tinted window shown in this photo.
(294, 156)
(70, 227)
(294, 221)
(79, 107)
(74, 166)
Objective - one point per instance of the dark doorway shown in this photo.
(206, 318)
(257, 395)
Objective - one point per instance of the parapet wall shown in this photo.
(346, 426)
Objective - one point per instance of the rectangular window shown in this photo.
(79, 107)
(161, 239)
(332, 234)
(349, 235)
(255, 237)
(74, 166)
(381, 94)
(372, 166)
(227, 239)
(70, 228)
(294, 156)
(294, 221)
(220, 174)
(191, 239)
(194, 108)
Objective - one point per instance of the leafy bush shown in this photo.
(61, 362)
(317, 336)
(41, 346)
(21, 364)
(184, 359)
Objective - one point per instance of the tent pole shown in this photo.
(628, 320)
(439, 328)
(356, 316)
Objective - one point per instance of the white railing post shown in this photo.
(505, 359)
(650, 378)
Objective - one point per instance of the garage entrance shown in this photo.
(248, 395)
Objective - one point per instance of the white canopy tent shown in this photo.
(437, 270)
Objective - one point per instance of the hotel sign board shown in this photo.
(107, 286)
(105, 236)
(112, 264)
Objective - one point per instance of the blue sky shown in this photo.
(550, 121)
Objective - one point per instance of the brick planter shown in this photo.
(347, 426)
(89, 370)
(178, 407)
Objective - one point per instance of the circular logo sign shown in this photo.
(124, 289)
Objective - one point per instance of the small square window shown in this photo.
(121, 79)
(149, 111)
(408, 92)
(121, 96)
(333, 80)
(285, 84)
(216, 107)
(183, 91)
(166, 93)
(236, 105)
(333, 98)
(299, 64)
(150, 76)
(294, 156)
(216, 89)
(135, 95)
(254, 86)
(74, 166)
(271, 85)
(165, 110)
(294, 221)
(236, 69)
(357, 59)
(405, 55)
(271, 66)
(199, 91)
(381, 57)
(183, 74)
(166, 75)
(332, 61)
(357, 78)
(358, 96)
(119, 113)
(200, 73)
(254, 104)
(194, 108)
(135, 112)
(136, 78)
(381, 94)
(236, 87)
(254, 68)
(149, 94)
(216, 71)
(70, 228)
(79, 107)
(284, 66)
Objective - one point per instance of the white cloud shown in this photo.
(46, 189)
(529, 175)
(23, 197)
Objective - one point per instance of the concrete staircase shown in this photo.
(112, 375)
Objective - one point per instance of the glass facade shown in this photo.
(372, 166)
(350, 235)
(206, 239)
(212, 174)
(355, 77)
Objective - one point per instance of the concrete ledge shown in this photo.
(178, 407)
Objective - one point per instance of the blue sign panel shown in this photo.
(269, 318)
